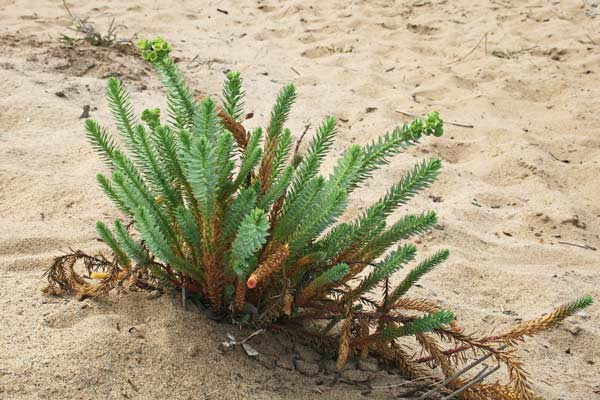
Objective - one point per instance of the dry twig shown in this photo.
(456, 375)
(91, 35)
(484, 37)
(585, 246)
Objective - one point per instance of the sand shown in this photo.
(524, 74)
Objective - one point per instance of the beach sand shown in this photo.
(517, 199)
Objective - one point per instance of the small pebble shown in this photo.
(193, 350)
(307, 354)
(575, 330)
(51, 290)
(583, 315)
(285, 362)
(356, 375)
(369, 364)
(155, 294)
(225, 347)
(330, 367)
(86, 112)
(138, 332)
(307, 368)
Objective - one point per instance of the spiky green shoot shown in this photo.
(231, 218)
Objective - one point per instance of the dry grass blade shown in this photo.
(478, 378)
(456, 375)
(89, 32)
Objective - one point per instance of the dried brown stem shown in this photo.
(240, 295)
(237, 130)
(344, 347)
(429, 344)
(62, 274)
(272, 263)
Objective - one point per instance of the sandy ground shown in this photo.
(516, 185)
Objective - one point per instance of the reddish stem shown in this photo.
(445, 352)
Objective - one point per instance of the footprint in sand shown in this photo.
(421, 29)
(531, 168)
(324, 51)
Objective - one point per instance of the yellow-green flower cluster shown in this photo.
(154, 50)
(432, 125)
(151, 116)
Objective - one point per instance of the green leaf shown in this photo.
(158, 243)
(126, 192)
(426, 324)
(291, 218)
(332, 275)
(423, 175)
(309, 167)
(277, 189)
(237, 211)
(107, 237)
(126, 168)
(410, 225)
(154, 238)
(582, 302)
(251, 236)
(282, 153)
(154, 172)
(101, 141)
(106, 186)
(181, 103)
(392, 263)
(134, 250)
(135, 199)
(121, 109)
(224, 164)
(366, 227)
(336, 240)
(330, 204)
(200, 171)
(281, 111)
(233, 95)
(251, 158)
(207, 122)
(421, 269)
(378, 152)
(190, 230)
(166, 145)
(348, 167)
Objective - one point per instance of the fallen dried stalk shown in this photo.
(456, 375)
